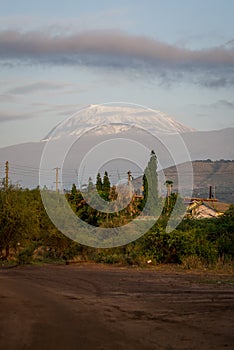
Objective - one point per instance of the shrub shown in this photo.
(25, 256)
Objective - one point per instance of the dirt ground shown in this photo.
(100, 307)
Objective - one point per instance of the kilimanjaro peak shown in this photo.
(109, 119)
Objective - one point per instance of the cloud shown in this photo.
(230, 44)
(226, 103)
(218, 79)
(63, 110)
(36, 87)
(118, 50)
(6, 98)
(223, 103)
(14, 116)
(14, 44)
(40, 110)
(220, 104)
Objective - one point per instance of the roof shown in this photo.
(199, 210)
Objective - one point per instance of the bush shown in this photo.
(192, 262)
(25, 256)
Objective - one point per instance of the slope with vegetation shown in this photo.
(218, 174)
(27, 234)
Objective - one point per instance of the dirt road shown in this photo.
(95, 307)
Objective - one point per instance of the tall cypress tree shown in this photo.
(74, 190)
(99, 183)
(106, 186)
(150, 183)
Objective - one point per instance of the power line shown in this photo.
(71, 174)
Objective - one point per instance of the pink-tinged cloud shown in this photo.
(116, 50)
(37, 87)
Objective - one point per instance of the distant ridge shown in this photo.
(218, 174)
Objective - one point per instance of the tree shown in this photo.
(15, 218)
(150, 183)
(90, 185)
(230, 211)
(99, 183)
(74, 190)
(106, 186)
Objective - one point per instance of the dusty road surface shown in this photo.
(95, 307)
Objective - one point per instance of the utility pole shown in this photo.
(7, 175)
(130, 191)
(130, 182)
(57, 178)
(210, 192)
(129, 176)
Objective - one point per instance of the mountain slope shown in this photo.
(218, 174)
(120, 119)
(24, 159)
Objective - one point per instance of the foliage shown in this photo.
(24, 226)
(15, 218)
(106, 187)
(26, 229)
(25, 255)
(99, 183)
(150, 184)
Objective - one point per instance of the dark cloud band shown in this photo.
(116, 50)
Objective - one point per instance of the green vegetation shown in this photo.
(150, 185)
(27, 234)
(26, 231)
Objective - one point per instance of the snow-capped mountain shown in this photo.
(112, 123)
(115, 119)
(24, 159)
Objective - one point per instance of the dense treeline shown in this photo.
(27, 234)
(26, 230)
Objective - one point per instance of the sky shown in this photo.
(176, 56)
